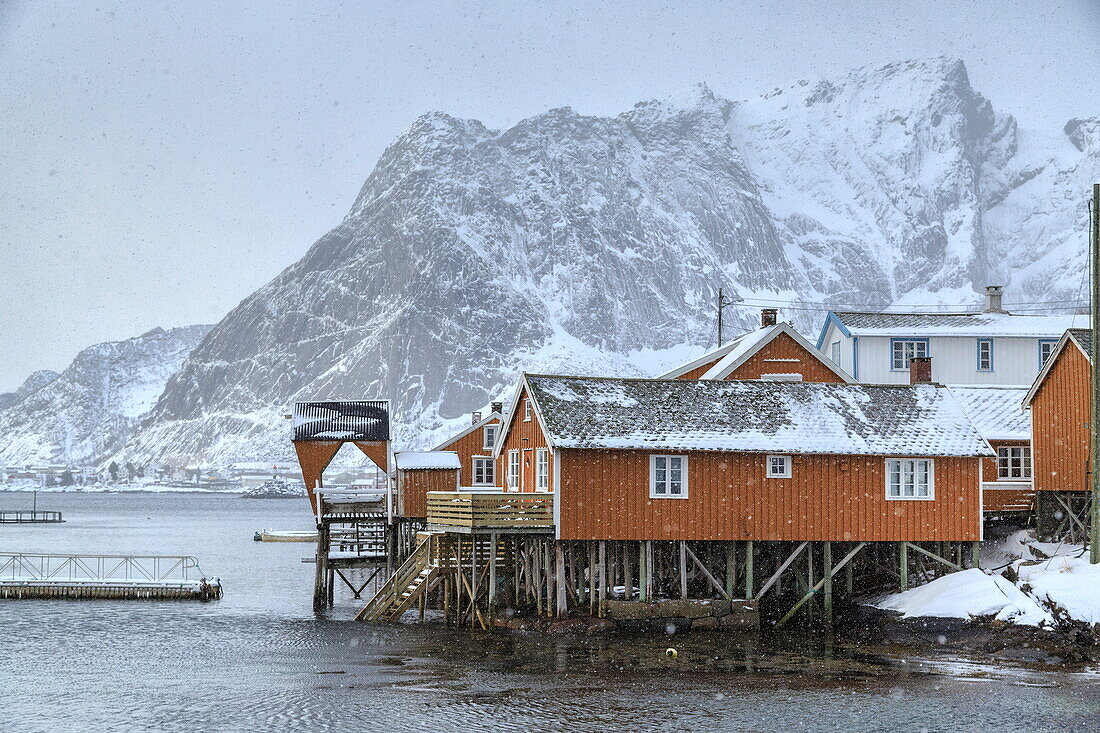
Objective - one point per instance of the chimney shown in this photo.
(920, 370)
(993, 298)
(497, 407)
(475, 418)
(767, 317)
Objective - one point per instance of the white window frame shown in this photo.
(542, 469)
(1049, 344)
(835, 352)
(786, 473)
(474, 470)
(989, 356)
(527, 410)
(653, 483)
(1022, 459)
(908, 351)
(485, 442)
(931, 476)
(513, 470)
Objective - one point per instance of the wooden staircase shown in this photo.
(406, 586)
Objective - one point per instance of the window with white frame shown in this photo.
(513, 470)
(781, 377)
(1046, 348)
(905, 349)
(489, 435)
(484, 471)
(668, 477)
(985, 355)
(1014, 463)
(779, 467)
(542, 469)
(910, 478)
(526, 410)
(835, 353)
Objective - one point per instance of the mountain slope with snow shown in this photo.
(596, 244)
(91, 408)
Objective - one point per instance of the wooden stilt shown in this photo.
(643, 570)
(827, 569)
(903, 565)
(492, 574)
(976, 554)
(320, 592)
(603, 578)
(748, 568)
(628, 572)
(593, 573)
(559, 558)
(648, 582)
(706, 573)
(731, 568)
(848, 578)
(683, 570)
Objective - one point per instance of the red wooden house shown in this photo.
(1060, 416)
(474, 447)
(775, 352)
(645, 459)
(417, 473)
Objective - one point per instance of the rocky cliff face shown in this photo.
(90, 409)
(588, 244)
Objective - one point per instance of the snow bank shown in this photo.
(968, 594)
(1069, 581)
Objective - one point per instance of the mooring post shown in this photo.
(827, 568)
(748, 568)
(320, 594)
(903, 565)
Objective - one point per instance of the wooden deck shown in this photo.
(486, 512)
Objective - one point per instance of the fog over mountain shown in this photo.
(582, 244)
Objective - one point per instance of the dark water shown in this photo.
(259, 660)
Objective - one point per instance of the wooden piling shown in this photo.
(827, 568)
(903, 565)
(683, 571)
(748, 568)
(603, 578)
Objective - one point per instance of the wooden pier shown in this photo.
(30, 517)
(117, 577)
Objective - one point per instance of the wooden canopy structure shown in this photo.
(322, 428)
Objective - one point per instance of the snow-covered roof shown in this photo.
(1083, 337)
(996, 410)
(753, 416)
(411, 460)
(955, 324)
(737, 352)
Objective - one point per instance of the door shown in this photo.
(527, 471)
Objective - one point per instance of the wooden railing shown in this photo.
(490, 511)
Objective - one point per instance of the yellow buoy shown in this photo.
(670, 653)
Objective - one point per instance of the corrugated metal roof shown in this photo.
(996, 411)
(955, 324)
(788, 417)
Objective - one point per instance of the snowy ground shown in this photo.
(1022, 581)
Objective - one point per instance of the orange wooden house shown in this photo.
(673, 459)
(474, 447)
(417, 473)
(1060, 416)
(773, 352)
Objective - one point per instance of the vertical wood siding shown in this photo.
(698, 371)
(518, 430)
(605, 495)
(1059, 424)
(413, 486)
(784, 347)
(467, 447)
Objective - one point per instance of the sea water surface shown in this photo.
(259, 659)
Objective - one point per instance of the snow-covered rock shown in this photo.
(33, 383)
(969, 594)
(579, 244)
(89, 410)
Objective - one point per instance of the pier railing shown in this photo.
(490, 511)
(29, 517)
(136, 569)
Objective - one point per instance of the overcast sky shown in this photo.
(160, 162)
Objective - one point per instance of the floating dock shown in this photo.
(117, 577)
(30, 517)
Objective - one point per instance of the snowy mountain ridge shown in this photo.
(581, 244)
(89, 410)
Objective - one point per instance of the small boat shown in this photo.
(273, 535)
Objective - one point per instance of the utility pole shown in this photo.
(1094, 432)
(723, 301)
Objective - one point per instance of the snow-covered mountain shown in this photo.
(34, 382)
(90, 409)
(596, 244)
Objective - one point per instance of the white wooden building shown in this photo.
(991, 347)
